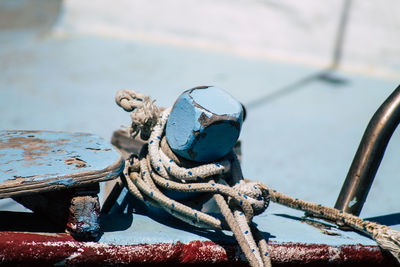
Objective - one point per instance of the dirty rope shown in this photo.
(144, 113)
(386, 237)
(158, 169)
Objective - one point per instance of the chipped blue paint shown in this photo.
(66, 182)
(88, 221)
(352, 202)
(40, 155)
(204, 124)
(120, 170)
(211, 97)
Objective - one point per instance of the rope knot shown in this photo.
(254, 192)
(144, 113)
(157, 173)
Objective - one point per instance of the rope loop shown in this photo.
(144, 113)
(254, 193)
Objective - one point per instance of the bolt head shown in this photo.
(204, 124)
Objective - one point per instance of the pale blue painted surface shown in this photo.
(131, 222)
(181, 124)
(141, 229)
(191, 136)
(65, 181)
(299, 139)
(35, 156)
(217, 100)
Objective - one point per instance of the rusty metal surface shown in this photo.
(83, 221)
(60, 249)
(28, 158)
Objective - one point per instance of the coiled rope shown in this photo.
(158, 169)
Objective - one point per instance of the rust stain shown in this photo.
(77, 161)
(79, 134)
(195, 88)
(94, 149)
(98, 149)
(324, 228)
(83, 220)
(206, 121)
(33, 148)
(24, 177)
(28, 248)
(61, 141)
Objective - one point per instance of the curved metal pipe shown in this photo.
(369, 155)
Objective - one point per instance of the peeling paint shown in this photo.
(29, 248)
(66, 182)
(353, 202)
(204, 125)
(112, 174)
(48, 155)
(76, 161)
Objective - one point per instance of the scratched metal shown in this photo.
(38, 155)
(29, 249)
(196, 122)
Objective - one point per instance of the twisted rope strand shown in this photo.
(210, 187)
(262, 244)
(144, 112)
(237, 232)
(386, 237)
(155, 168)
(247, 234)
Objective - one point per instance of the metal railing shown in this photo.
(369, 155)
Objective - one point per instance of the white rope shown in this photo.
(388, 239)
(143, 111)
(147, 174)
(144, 177)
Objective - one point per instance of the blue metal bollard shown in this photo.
(204, 124)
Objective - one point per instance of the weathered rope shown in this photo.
(386, 237)
(153, 171)
(157, 169)
(144, 113)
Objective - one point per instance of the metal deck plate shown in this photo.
(40, 161)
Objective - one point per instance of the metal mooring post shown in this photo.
(369, 155)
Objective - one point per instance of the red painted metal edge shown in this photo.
(48, 249)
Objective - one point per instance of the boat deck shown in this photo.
(302, 130)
